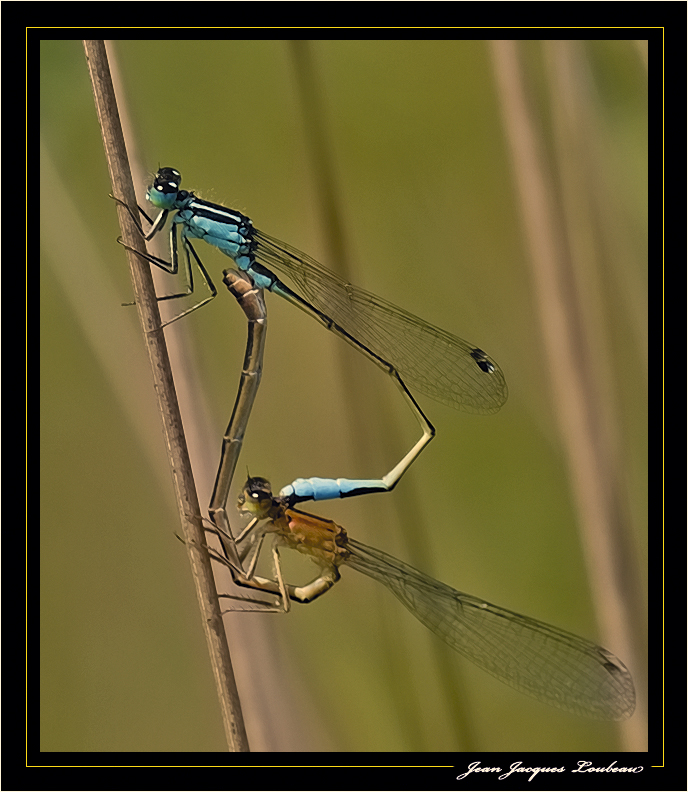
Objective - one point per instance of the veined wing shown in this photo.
(554, 666)
(437, 363)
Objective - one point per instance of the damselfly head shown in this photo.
(256, 497)
(165, 188)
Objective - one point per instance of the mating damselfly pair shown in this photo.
(440, 365)
(552, 665)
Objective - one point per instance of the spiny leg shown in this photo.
(171, 267)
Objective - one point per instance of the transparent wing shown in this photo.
(439, 364)
(551, 665)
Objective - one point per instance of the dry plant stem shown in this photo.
(187, 499)
(574, 381)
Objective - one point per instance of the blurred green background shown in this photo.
(432, 223)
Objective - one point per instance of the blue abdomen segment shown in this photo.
(326, 489)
